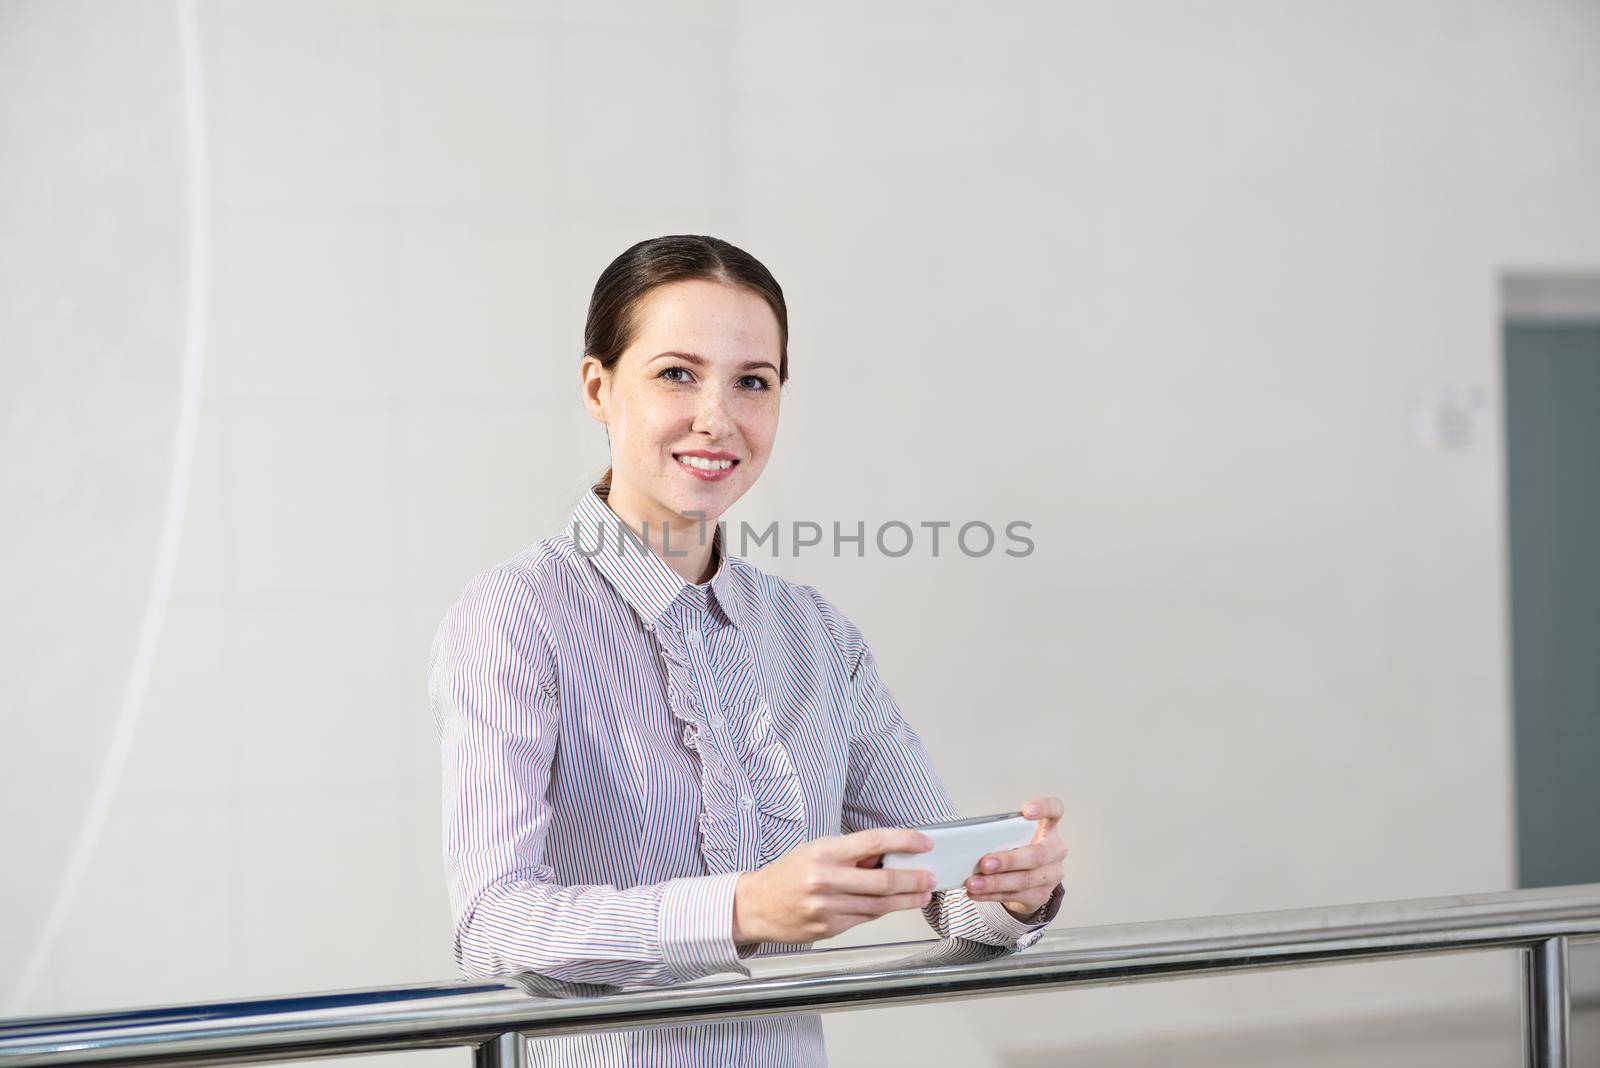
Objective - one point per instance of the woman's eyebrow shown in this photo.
(689, 357)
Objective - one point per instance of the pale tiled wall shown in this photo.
(1159, 278)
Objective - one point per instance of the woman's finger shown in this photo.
(1031, 898)
(872, 905)
(1008, 860)
(1045, 850)
(1023, 857)
(875, 882)
(873, 843)
(1047, 809)
(1010, 883)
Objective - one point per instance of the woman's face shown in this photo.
(701, 377)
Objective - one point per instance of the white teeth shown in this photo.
(706, 465)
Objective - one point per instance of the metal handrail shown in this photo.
(494, 1015)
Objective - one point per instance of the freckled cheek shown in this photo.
(761, 432)
(668, 424)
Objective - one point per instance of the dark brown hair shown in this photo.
(612, 325)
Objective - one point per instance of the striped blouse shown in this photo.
(618, 745)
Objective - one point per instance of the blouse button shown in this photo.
(694, 635)
(717, 720)
(746, 801)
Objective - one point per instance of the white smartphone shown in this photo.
(958, 845)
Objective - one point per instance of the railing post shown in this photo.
(510, 1050)
(1545, 1004)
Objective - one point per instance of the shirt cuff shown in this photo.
(696, 926)
(1023, 932)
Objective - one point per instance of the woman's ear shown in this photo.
(595, 383)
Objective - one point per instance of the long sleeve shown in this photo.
(891, 782)
(496, 709)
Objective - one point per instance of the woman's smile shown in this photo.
(708, 465)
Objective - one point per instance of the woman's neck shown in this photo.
(685, 543)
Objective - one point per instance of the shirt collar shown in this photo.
(637, 572)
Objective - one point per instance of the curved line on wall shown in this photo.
(155, 610)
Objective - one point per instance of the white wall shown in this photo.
(101, 316)
(1163, 279)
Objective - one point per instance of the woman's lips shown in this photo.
(704, 475)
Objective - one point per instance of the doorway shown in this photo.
(1551, 371)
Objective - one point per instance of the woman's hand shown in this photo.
(1023, 879)
(829, 885)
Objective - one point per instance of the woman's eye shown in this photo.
(752, 383)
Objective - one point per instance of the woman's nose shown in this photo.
(712, 416)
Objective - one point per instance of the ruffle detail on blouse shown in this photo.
(774, 787)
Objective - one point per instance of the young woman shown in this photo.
(660, 760)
